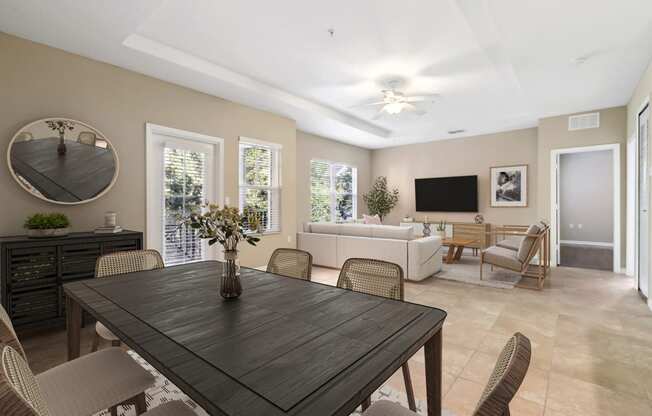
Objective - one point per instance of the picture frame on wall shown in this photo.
(508, 186)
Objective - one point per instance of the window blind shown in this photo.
(183, 193)
(260, 191)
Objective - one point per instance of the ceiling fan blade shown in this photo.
(413, 109)
(421, 98)
(369, 104)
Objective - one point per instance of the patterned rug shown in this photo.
(164, 391)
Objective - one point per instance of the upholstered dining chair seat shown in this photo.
(104, 332)
(173, 408)
(387, 408)
(93, 382)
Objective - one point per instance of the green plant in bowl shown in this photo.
(47, 225)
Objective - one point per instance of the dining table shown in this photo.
(286, 346)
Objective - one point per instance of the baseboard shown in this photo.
(586, 243)
(649, 304)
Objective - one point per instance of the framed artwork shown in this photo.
(508, 186)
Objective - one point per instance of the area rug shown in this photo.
(467, 270)
(164, 391)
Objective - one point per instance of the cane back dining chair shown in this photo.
(291, 262)
(505, 380)
(80, 387)
(121, 263)
(21, 393)
(87, 137)
(380, 278)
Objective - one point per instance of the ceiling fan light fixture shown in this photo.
(394, 108)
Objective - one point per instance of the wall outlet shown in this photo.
(289, 238)
(571, 226)
(579, 226)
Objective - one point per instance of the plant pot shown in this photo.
(230, 287)
(48, 232)
(441, 234)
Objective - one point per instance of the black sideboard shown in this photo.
(33, 270)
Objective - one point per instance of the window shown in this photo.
(260, 190)
(333, 191)
(183, 193)
(184, 170)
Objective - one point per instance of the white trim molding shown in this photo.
(586, 243)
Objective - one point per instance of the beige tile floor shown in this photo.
(591, 335)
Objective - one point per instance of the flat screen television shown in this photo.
(449, 194)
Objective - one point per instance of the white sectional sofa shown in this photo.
(331, 244)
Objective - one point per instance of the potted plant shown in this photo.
(47, 225)
(225, 226)
(440, 230)
(380, 200)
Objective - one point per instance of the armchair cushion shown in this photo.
(527, 243)
(511, 243)
(502, 257)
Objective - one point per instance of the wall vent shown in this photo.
(584, 121)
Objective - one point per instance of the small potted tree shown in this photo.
(380, 200)
(47, 225)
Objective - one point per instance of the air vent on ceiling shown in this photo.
(456, 131)
(584, 121)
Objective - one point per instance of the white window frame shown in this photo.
(332, 192)
(155, 178)
(275, 187)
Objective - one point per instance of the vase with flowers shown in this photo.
(225, 226)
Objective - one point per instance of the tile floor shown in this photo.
(591, 335)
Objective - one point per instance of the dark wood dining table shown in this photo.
(285, 347)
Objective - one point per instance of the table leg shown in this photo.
(458, 252)
(432, 351)
(451, 254)
(73, 325)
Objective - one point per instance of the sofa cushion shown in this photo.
(392, 231)
(527, 243)
(502, 257)
(324, 228)
(355, 230)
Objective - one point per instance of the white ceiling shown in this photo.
(497, 64)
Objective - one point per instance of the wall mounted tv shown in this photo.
(450, 194)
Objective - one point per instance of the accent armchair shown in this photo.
(516, 249)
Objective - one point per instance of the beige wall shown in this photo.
(310, 146)
(469, 156)
(554, 134)
(37, 81)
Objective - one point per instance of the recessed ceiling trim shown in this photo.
(200, 65)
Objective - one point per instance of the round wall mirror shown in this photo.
(63, 161)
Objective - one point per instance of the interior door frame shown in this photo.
(644, 105)
(153, 130)
(554, 199)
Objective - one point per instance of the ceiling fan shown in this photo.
(395, 102)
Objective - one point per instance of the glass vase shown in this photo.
(230, 287)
